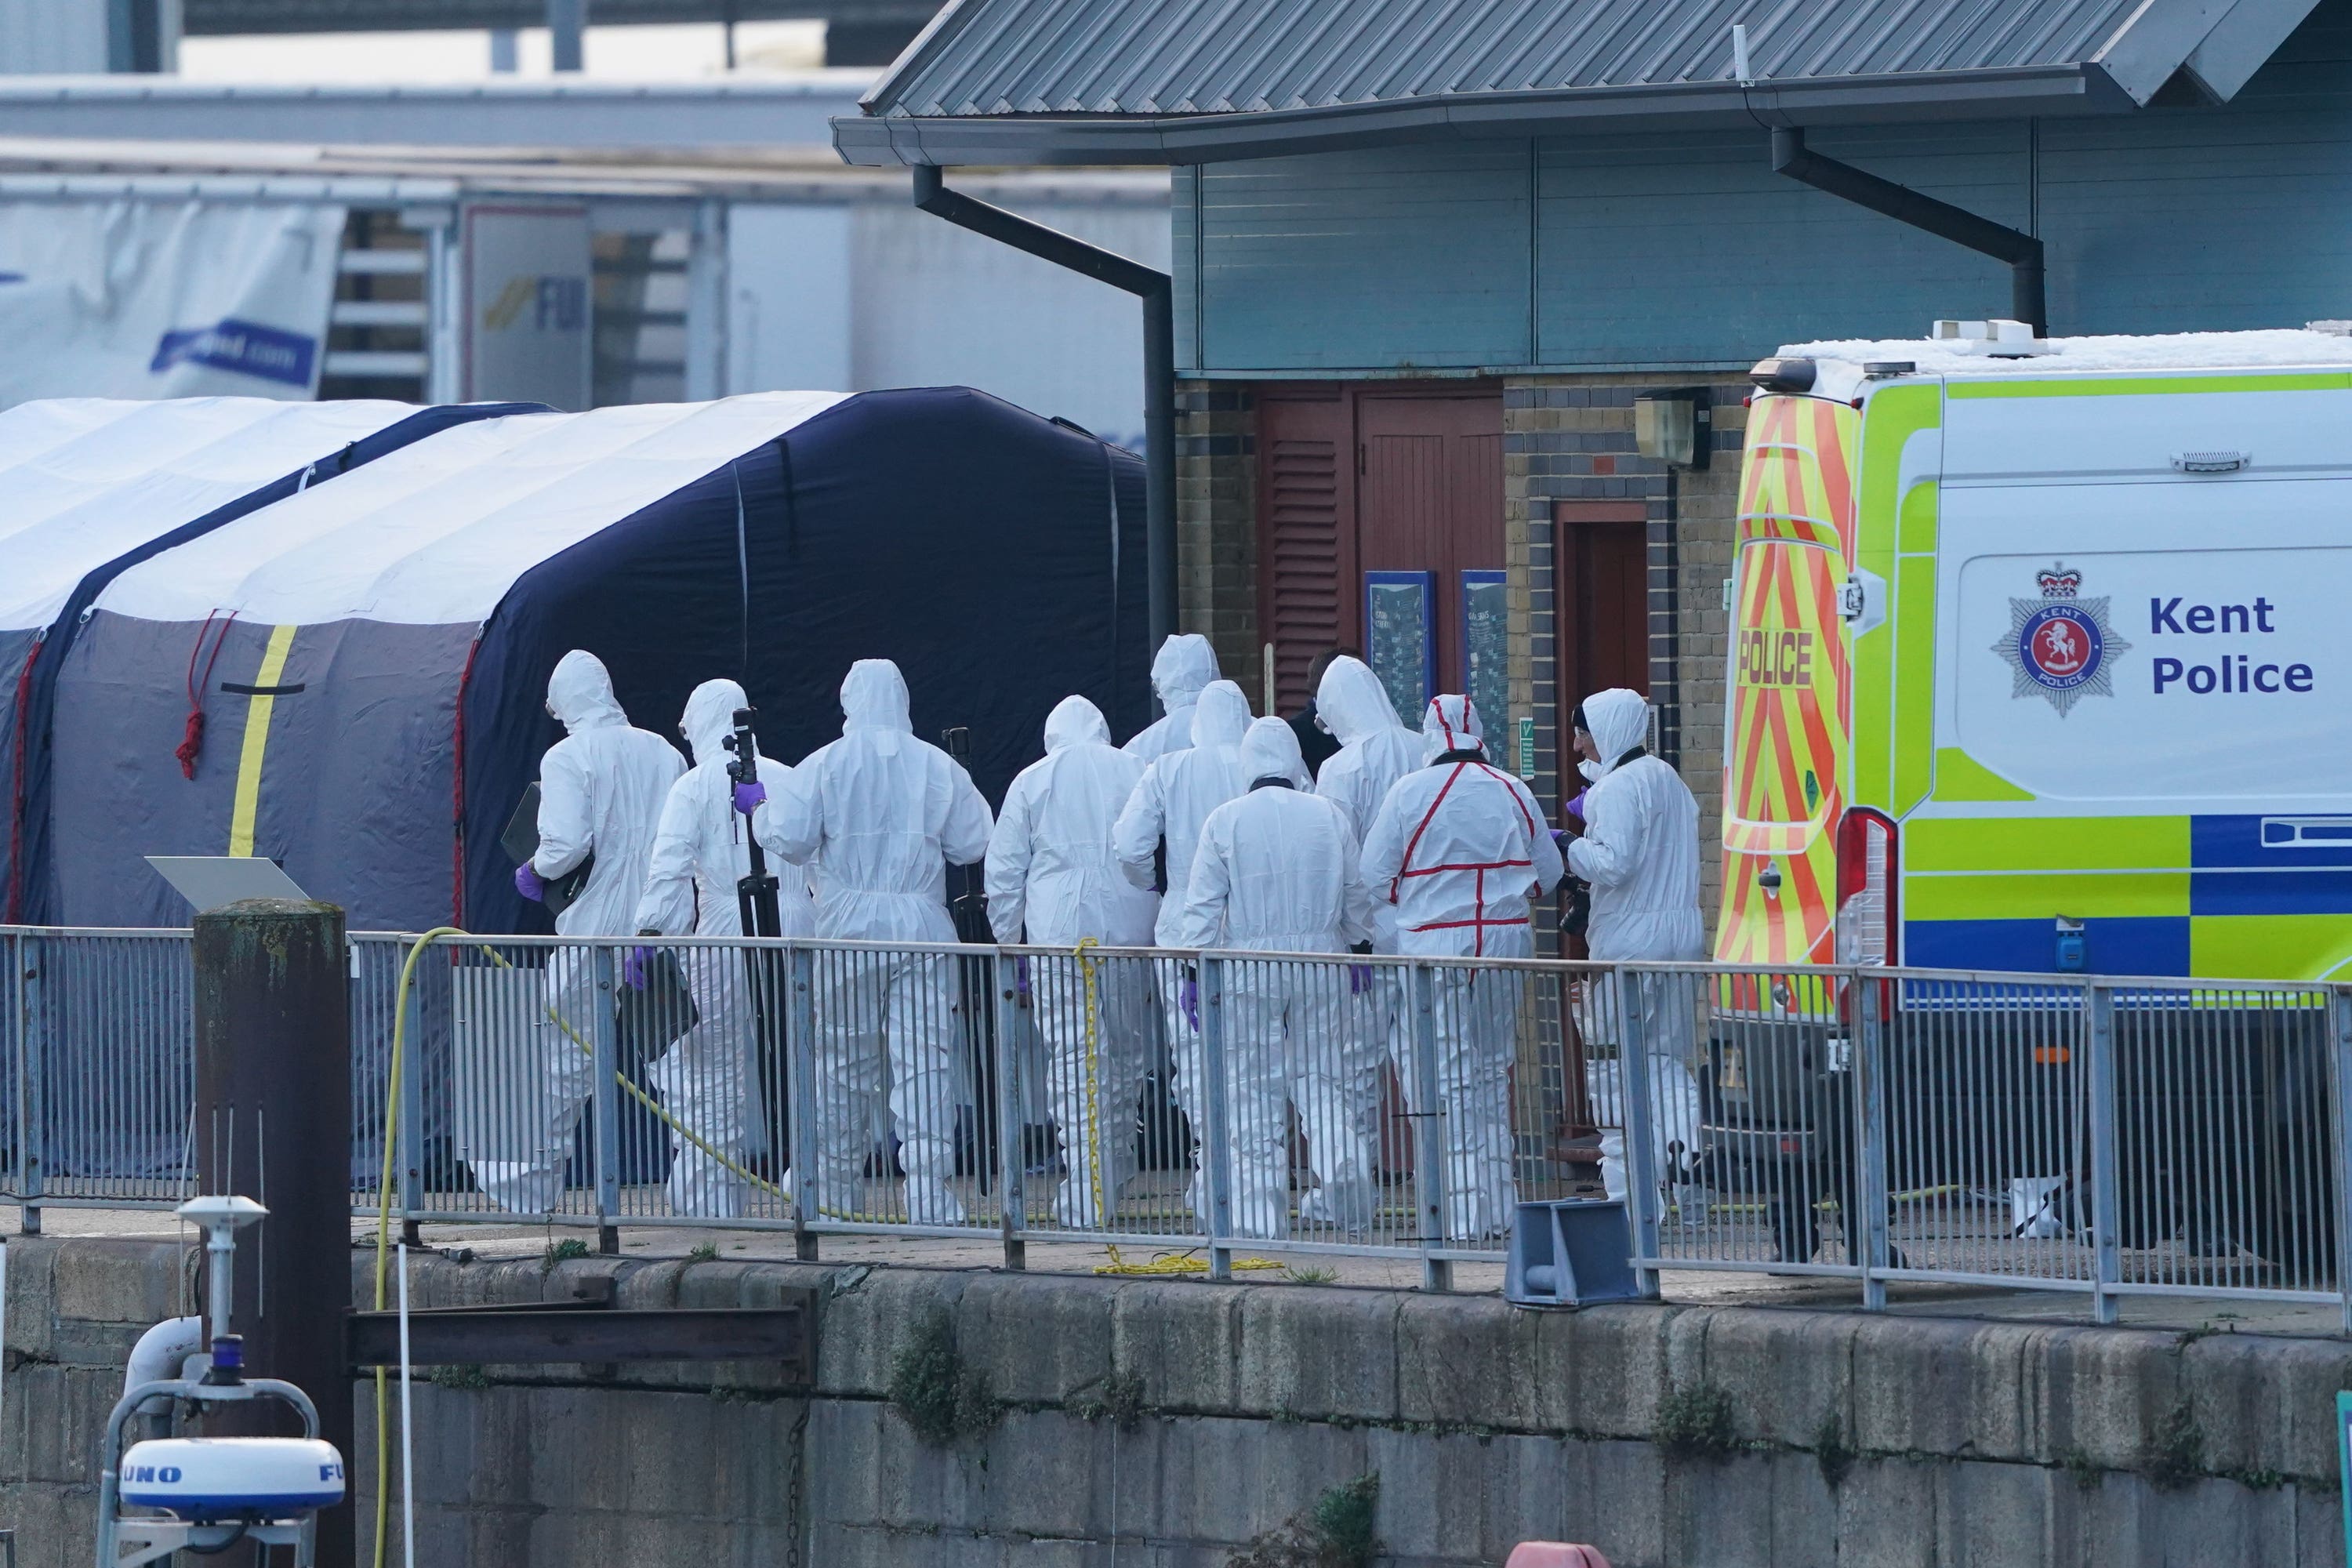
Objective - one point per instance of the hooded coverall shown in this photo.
(876, 816)
(1184, 664)
(1277, 872)
(1051, 869)
(601, 793)
(1640, 852)
(1459, 848)
(702, 850)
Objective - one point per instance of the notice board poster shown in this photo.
(527, 321)
(1400, 638)
(1486, 655)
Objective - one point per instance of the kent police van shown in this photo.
(2041, 657)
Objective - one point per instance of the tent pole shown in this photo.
(1157, 290)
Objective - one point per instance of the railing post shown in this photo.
(1870, 1087)
(1216, 1143)
(2341, 1066)
(1641, 1138)
(1429, 1132)
(801, 1094)
(2106, 1165)
(411, 1153)
(1012, 1152)
(32, 1082)
(606, 1099)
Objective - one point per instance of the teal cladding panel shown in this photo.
(1684, 247)
(2178, 219)
(1398, 257)
(1184, 263)
(1688, 249)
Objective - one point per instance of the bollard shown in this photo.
(274, 1123)
(1555, 1555)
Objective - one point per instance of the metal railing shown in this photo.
(2107, 1137)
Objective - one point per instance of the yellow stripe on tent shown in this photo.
(259, 708)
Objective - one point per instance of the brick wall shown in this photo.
(1216, 526)
(1571, 437)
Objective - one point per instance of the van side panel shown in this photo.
(2139, 674)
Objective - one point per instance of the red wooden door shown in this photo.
(1373, 477)
(1601, 555)
(1430, 499)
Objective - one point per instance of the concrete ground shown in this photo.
(1279, 1267)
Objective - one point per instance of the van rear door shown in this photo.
(1784, 765)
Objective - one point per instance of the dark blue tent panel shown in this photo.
(391, 642)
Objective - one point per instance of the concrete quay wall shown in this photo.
(1172, 1420)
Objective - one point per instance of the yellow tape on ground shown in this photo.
(256, 742)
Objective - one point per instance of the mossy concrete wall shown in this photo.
(1178, 1418)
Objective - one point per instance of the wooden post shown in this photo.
(274, 1124)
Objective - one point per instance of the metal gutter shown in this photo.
(2022, 251)
(1109, 139)
(1158, 292)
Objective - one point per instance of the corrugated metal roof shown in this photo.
(1207, 57)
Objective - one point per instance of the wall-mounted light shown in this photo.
(1675, 426)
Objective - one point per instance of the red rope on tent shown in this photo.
(191, 745)
(16, 789)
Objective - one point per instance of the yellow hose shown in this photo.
(1184, 1262)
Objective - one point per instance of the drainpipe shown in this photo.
(1157, 293)
(1903, 204)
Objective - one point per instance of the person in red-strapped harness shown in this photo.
(1461, 850)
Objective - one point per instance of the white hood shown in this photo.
(1618, 720)
(1451, 723)
(1223, 716)
(874, 698)
(580, 694)
(1075, 722)
(710, 719)
(1184, 664)
(1352, 703)
(1270, 749)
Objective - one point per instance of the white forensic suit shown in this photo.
(1375, 752)
(876, 816)
(1184, 664)
(1640, 852)
(1277, 872)
(1459, 851)
(601, 790)
(708, 1079)
(1174, 798)
(1051, 869)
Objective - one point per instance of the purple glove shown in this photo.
(1360, 978)
(749, 797)
(1021, 979)
(530, 884)
(633, 967)
(1576, 807)
(1189, 1000)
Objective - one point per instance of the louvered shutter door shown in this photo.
(1306, 509)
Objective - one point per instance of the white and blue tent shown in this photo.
(372, 655)
(89, 488)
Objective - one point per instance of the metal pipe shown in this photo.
(1158, 292)
(2023, 252)
(567, 22)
